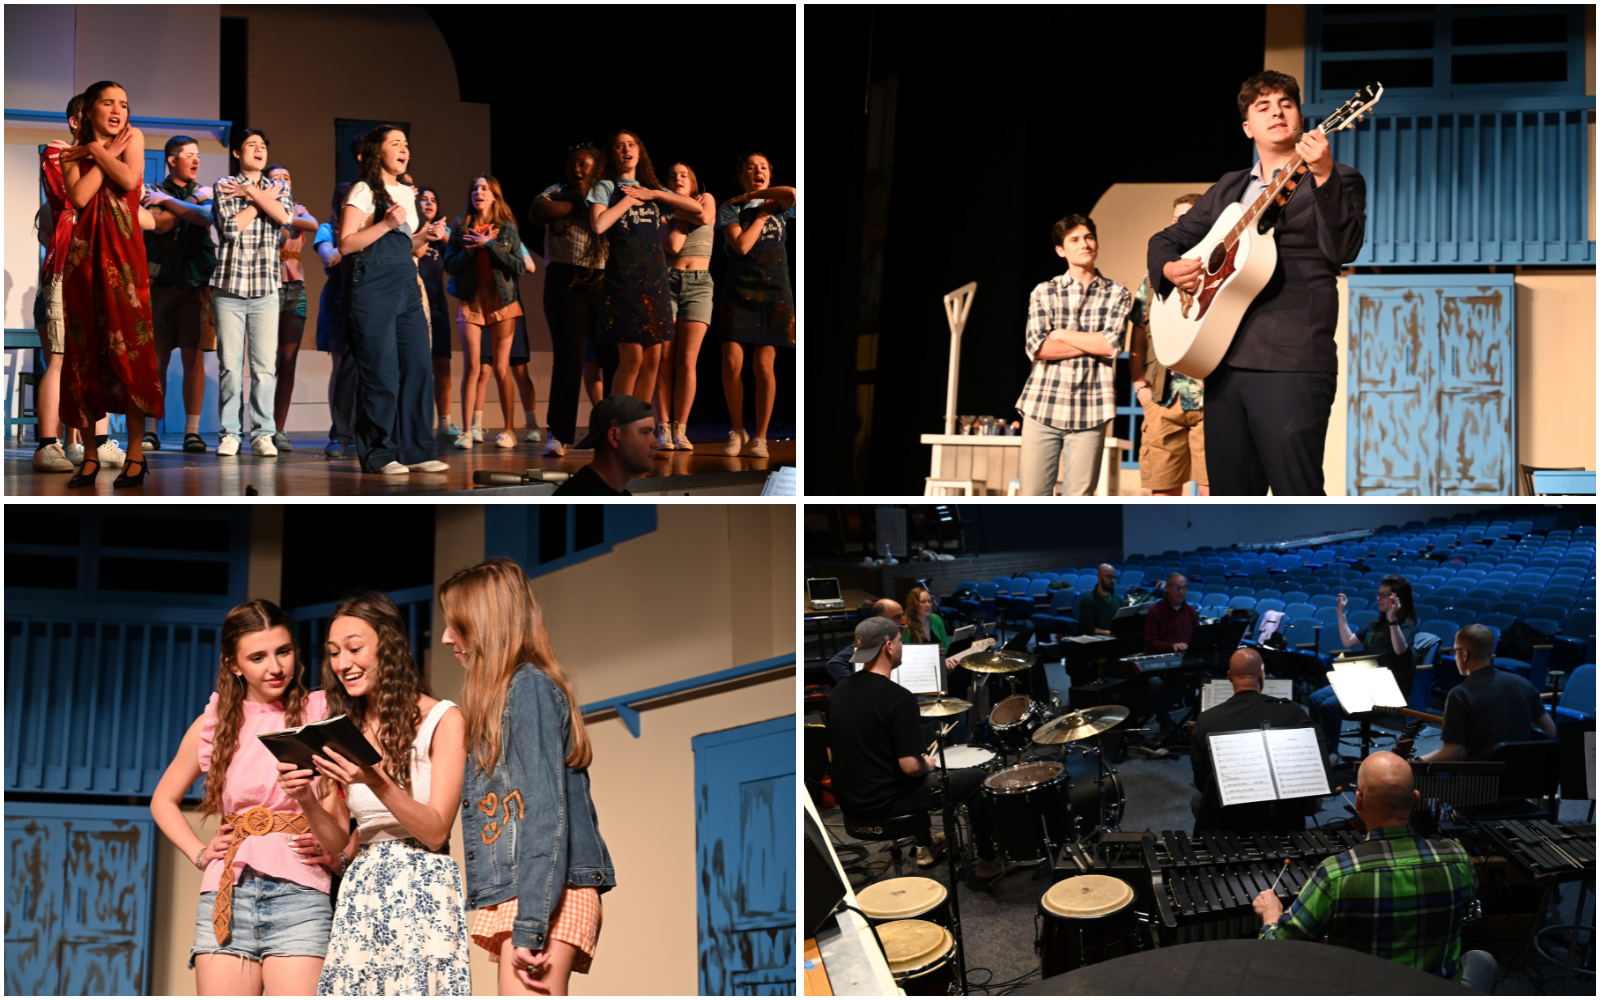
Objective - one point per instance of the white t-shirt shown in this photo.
(400, 194)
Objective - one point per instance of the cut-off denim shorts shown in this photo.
(271, 916)
(691, 295)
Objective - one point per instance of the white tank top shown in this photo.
(372, 817)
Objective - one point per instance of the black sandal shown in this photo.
(124, 481)
(80, 478)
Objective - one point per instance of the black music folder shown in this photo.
(295, 746)
(1261, 765)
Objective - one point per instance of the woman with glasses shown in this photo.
(1389, 635)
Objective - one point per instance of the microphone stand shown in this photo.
(951, 841)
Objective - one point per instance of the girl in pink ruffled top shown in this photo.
(264, 895)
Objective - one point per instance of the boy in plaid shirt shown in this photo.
(1398, 895)
(1073, 338)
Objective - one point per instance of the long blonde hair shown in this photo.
(246, 619)
(492, 608)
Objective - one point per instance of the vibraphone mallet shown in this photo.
(1274, 889)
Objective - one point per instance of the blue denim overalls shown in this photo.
(388, 341)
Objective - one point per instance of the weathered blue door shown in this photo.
(744, 832)
(1432, 377)
(78, 899)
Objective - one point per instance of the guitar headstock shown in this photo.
(1350, 112)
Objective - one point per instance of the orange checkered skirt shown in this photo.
(576, 921)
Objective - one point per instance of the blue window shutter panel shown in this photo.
(514, 532)
(509, 530)
(625, 521)
(155, 166)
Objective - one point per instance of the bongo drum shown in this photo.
(1085, 919)
(921, 956)
(909, 898)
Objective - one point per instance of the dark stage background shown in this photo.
(701, 89)
(1004, 123)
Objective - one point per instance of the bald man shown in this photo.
(840, 667)
(1398, 895)
(1099, 606)
(1247, 709)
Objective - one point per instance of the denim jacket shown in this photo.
(505, 263)
(530, 828)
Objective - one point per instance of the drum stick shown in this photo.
(943, 732)
(1342, 792)
(1274, 889)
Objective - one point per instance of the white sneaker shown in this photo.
(664, 438)
(505, 439)
(433, 466)
(51, 458)
(264, 447)
(477, 432)
(464, 442)
(736, 440)
(394, 469)
(228, 446)
(452, 430)
(111, 454)
(75, 454)
(554, 448)
(680, 436)
(533, 436)
(758, 447)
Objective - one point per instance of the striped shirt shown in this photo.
(1074, 394)
(1397, 895)
(247, 261)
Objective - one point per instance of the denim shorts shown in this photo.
(691, 295)
(271, 916)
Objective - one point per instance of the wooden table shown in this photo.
(816, 977)
(996, 459)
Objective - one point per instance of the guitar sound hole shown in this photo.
(1219, 254)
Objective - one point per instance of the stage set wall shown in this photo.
(731, 573)
(1155, 528)
(168, 57)
(1555, 307)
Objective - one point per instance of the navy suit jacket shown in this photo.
(1290, 326)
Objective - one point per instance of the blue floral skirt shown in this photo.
(400, 927)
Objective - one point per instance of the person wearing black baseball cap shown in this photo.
(876, 747)
(622, 434)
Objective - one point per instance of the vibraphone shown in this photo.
(1203, 885)
(1545, 848)
(1461, 784)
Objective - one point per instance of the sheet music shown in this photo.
(1240, 763)
(1297, 763)
(1088, 638)
(919, 668)
(1361, 689)
(1217, 692)
(977, 647)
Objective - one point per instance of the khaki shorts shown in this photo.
(1173, 447)
(182, 318)
(53, 332)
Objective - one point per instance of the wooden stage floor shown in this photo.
(306, 472)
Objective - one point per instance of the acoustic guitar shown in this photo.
(1191, 331)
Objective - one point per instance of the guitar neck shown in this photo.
(1288, 178)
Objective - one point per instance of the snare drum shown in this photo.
(921, 956)
(1013, 722)
(1085, 919)
(971, 755)
(910, 898)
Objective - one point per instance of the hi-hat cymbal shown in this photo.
(1080, 724)
(943, 706)
(999, 661)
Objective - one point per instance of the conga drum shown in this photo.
(921, 956)
(1085, 919)
(910, 898)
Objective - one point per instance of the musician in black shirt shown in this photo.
(876, 749)
(1489, 706)
(1247, 709)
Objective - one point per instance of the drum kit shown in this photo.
(1045, 787)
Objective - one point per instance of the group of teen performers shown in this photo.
(513, 758)
(628, 282)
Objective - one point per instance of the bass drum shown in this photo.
(1086, 794)
(1059, 798)
(1013, 722)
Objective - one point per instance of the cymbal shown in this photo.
(999, 661)
(942, 707)
(1080, 724)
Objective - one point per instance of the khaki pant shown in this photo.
(1172, 447)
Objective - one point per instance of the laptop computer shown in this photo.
(824, 593)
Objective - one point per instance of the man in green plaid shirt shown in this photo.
(1398, 895)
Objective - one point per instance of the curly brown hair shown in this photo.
(246, 619)
(399, 684)
(611, 168)
(1267, 82)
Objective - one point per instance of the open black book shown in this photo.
(295, 746)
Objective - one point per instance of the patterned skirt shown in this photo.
(576, 921)
(400, 927)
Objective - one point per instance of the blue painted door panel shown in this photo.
(744, 827)
(1431, 383)
(78, 899)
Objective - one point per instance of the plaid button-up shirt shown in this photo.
(247, 260)
(1074, 394)
(1397, 895)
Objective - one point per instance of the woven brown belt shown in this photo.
(256, 821)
